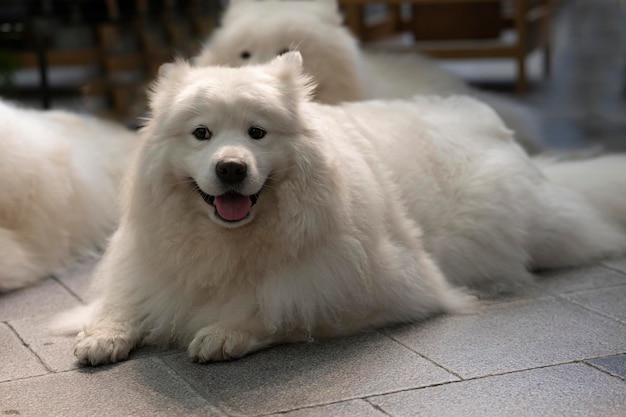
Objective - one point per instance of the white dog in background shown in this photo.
(254, 216)
(254, 31)
(59, 177)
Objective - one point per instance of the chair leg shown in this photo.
(521, 85)
(547, 61)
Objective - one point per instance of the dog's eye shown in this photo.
(256, 133)
(283, 51)
(245, 55)
(201, 133)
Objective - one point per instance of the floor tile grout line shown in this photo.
(476, 378)
(307, 407)
(598, 368)
(52, 373)
(377, 407)
(190, 384)
(422, 356)
(27, 346)
(68, 289)
(599, 313)
(96, 369)
(613, 269)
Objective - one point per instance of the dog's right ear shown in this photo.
(165, 70)
(169, 69)
(166, 82)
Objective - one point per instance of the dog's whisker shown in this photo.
(189, 181)
(283, 169)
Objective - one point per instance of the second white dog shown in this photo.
(255, 31)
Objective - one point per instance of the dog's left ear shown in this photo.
(204, 59)
(168, 69)
(165, 70)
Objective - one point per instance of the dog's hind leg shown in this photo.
(583, 213)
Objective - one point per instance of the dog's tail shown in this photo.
(583, 215)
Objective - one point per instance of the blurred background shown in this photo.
(565, 58)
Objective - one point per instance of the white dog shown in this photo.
(255, 216)
(59, 176)
(254, 31)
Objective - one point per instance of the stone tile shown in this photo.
(514, 336)
(358, 408)
(307, 374)
(619, 264)
(78, 278)
(17, 360)
(615, 364)
(610, 301)
(56, 351)
(564, 281)
(144, 387)
(43, 299)
(572, 390)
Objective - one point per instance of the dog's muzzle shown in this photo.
(230, 207)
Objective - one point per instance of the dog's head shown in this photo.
(224, 136)
(254, 31)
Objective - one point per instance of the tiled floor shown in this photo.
(559, 349)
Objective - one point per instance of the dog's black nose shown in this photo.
(231, 172)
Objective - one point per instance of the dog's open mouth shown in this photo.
(230, 206)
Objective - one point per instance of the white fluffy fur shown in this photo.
(341, 70)
(59, 175)
(370, 213)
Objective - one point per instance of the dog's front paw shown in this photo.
(214, 343)
(102, 345)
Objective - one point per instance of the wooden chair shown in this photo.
(460, 30)
(159, 29)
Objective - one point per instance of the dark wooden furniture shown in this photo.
(125, 40)
(464, 28)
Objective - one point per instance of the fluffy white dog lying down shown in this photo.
(255, 31)
(255, 216)
(59, 176)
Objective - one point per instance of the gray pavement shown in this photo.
(558, 349)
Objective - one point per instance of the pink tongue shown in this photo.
(232, 207)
